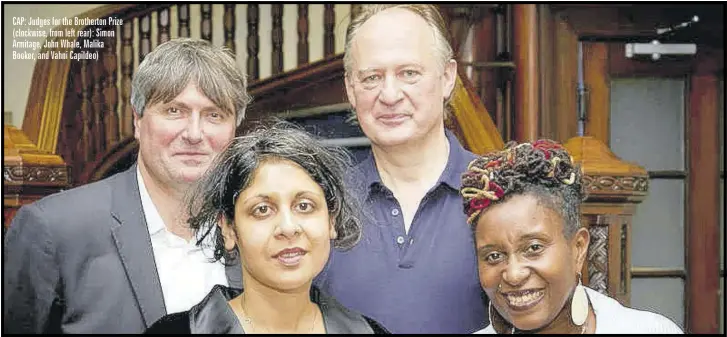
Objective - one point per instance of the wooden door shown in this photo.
(665, 115)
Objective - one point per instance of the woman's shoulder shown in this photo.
(613, 317)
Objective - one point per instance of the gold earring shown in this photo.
(579, 304)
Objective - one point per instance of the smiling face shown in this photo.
(527, 267)
(282, 227)
(178, 140)
(397, 84)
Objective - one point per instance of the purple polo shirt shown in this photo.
(422, 282)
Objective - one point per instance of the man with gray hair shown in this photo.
(116, 255)
(415, 269)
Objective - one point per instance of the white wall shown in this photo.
(18, 73)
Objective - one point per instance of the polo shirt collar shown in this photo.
(451, 176)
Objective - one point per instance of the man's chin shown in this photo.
(191, 175)
(392, 138)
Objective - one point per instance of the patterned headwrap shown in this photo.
(492, 177)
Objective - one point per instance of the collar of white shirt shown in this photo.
(185, 271)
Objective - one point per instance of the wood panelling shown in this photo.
(597, 79)
(703, 206)
(527, 75)
(565, 79)
(546, 60)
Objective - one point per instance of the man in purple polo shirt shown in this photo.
(415, 268)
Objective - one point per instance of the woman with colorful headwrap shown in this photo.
(524, 205)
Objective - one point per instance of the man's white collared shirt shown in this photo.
(185, 271)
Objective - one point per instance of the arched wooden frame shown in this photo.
(120, 157)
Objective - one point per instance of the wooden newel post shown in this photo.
(614, 189)
(28, 173)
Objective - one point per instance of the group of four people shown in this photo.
(273, 232)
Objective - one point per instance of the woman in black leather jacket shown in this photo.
(275, 202)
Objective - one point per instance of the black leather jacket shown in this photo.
(214, 316)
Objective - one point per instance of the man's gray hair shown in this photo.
(431, 15)
(171, 66)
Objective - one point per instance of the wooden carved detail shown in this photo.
(625, 266)
(302, 34)
(598, 258)
(98, 115)
(616, 183)
(71, 136)
(163, 25)
(144, 36)
(127, 69)
(277, 39)
(110, 92)
(253, 42)
(229, 28)
(183, 20)
(86, 112)
(329, 21)
(35, 174)
(206, 24)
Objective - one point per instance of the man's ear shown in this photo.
(136, 123)
(349, 90)
(228, 232)
(449, 78)
(581, 240)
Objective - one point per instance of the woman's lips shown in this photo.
(523, 300)
(290, 257)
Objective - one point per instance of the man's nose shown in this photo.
(193, 130)
(391, 91)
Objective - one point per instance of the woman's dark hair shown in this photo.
(233, 169)
(542, 168)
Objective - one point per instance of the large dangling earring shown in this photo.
(579, 304)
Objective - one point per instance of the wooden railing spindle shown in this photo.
(229, 28)
(110, 92)
(163, 25)
(97, 101)
(253, 41)
(206, 23)
(86, 112)
(127, 69)
(144, 36)
(302, 34)
(277, 38)
(329, 21)
(183, 18)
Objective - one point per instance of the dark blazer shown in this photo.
(214, 316)
(81, 261)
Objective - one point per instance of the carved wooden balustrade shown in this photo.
(614, 189)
